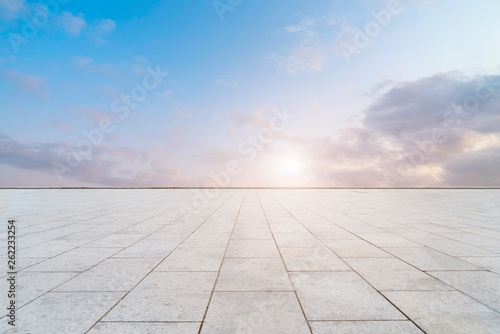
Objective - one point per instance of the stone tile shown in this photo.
(459, 227)
(79, 259)
(111, 275)
(291, 228)
(145, 328)
(207, 240)
(176, 296)
(262, 233)
(253, 274)
(254, 312)
(63, 312)
(296, 240)
(193, 259)
(341, 296)
(149, 248)
(444, 312)
(480, 285)
(386, 240)
(117, 240)
(488, 237)
(413, 234)
(495, 249)
(49, 249)
(489, 263)
(329, 232)
(394, 274)
(31, 285)
(455, 248)
(357, 327)
(141, 228)
(355, 248)
(312, 259)
(252, 248)
(428, 259)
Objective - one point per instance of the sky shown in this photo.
(283, 93)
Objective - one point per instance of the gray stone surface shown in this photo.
(255, 312)
(483, 286)
(252, 248)
(312, 259)
(253, 274)
(357, 327)
(193, 259)
(79, 259)
(394, 274)
(175, 296)
(63, 312)
(341, 296)
(445, 312)
(111, 275)
(254, 261)
(488, 263)
(145, 328)
(429, 259)
(32, 285)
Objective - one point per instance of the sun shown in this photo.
(292, 165)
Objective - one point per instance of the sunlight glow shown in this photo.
(292, 166)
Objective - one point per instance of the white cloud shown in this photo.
(306, 58)
(81, 62)
(11, 9)
(227, 80)
(105, 27)
(307, 53)
(166, 95)
(88, 64)
(304, 25)
(73, 24)
(26, 82)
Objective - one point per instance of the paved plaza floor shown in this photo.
(253, 261)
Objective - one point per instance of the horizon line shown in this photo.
(318, 188)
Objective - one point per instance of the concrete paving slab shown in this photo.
(444, 312)
(253, 274)
(357, 327)
(63, 312)
(312, 259)
(296, 240)
(394, 274)
(79, 259)
(252, 248)
(354, 248)
(433, 254)
(145, 328)
(429, 259)
(193, 259)
(175, 296)
(483, 286)
(255, 312)
(485, 262)
(114, 274)
(341, 296)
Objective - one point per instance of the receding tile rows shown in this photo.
(256, 261)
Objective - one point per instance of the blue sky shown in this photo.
(363, 118)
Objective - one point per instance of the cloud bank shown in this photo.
(443, 130)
